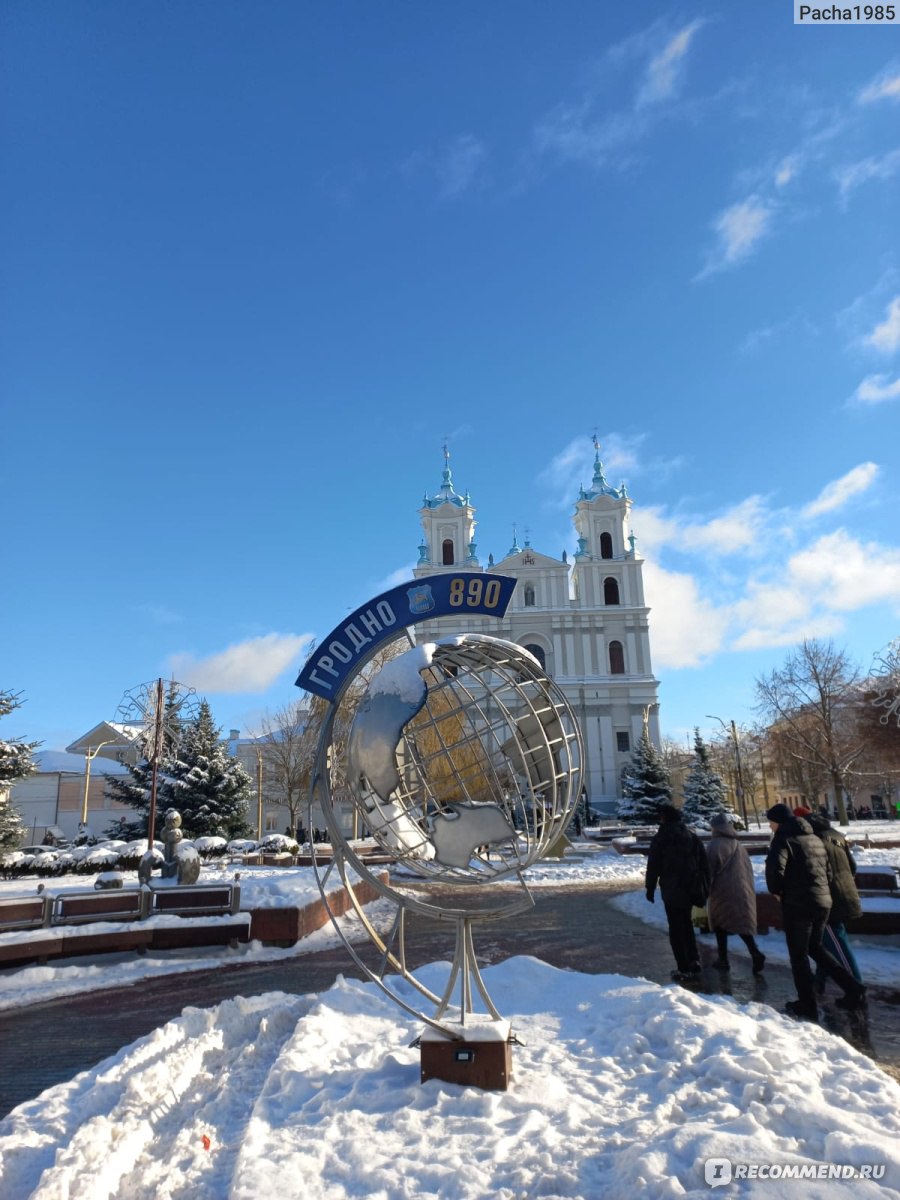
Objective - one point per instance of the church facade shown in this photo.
(585, 619)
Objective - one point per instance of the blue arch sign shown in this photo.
(454, 594)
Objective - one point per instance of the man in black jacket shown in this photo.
(798, 874)
(677, 862)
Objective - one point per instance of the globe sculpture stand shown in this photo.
(462, 759)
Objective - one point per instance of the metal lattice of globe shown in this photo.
(463, 760)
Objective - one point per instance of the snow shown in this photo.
(400, 677)
(621, 1086)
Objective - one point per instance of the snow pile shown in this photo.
(622, 1085)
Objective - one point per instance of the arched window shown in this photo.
(606, 545)
(529, 595)
(538, 652)
(616, 659)
(610, 591)
(447, 552)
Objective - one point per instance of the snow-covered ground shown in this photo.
(622, 1087)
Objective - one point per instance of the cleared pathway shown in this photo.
(575, 928)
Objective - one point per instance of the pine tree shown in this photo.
(207, 785)
(133, 790)
(704, 792)
(645, 786)
(15, 763)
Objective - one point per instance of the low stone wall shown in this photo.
(286, 926)
(768, 916)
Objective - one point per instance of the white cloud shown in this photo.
(737, 530)
(738, 230)
(687, 627)
(856, 174)
(663, 72)
(845, 574)
(459, 165)
(886, 336)
(836, 574)
(885, 86)
(787, 170)
(876, 389)
(836, 494)
(250, 666)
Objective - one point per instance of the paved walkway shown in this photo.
(575, 928)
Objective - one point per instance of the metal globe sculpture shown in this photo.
(462, 759)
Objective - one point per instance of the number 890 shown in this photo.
(473, 593)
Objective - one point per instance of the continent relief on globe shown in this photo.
(396, 695)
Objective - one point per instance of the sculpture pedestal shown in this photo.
(481, 1056)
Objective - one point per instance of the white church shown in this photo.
(585, 620)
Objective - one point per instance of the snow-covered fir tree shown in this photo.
(207, 785)
(16, 763)
(645, 786)
(704, 792)
(197, 776)
(133, 789)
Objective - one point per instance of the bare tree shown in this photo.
(877, 717)
(289, 749)
(807, 705)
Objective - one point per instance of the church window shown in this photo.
(529, 595)
(623, 742)
(447, 552)
(616, 659)
(610, 591)
(606, 545)
(538, 652)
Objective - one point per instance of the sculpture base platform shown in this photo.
(481, 1057)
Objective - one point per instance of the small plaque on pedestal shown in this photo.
(480, 1057)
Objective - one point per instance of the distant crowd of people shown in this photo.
(809, 869)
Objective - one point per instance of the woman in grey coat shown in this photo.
(731, 906)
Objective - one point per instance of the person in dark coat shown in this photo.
(845, 905)
(677, 862)
(731, 907)
(797, 873)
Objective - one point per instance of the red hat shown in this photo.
(802, 811)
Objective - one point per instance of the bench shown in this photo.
(24, 912)
(73, 908)
(163, 918)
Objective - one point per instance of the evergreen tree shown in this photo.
(197, 776)
(645, 786)
(15, 763)
(207, 785)
(704, 792)
(133, 790)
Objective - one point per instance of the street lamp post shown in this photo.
(259, 792)
(88, 759)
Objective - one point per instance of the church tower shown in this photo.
(585, 620)
(448, 529)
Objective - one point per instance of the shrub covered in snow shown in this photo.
(210, 847)
(241, 846)
(278, 843)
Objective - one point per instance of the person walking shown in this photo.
(731, 907)
(845, 903)
(797, 873)
(677, 862)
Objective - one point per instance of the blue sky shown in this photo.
(259, 259)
